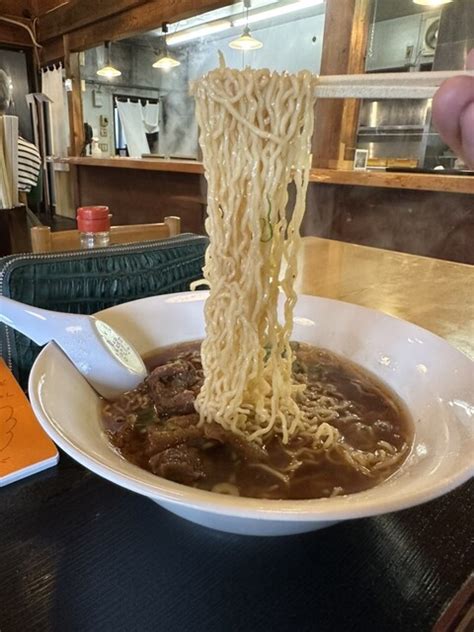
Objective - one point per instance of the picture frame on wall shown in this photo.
(361, 157)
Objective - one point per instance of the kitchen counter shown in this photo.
(414, 181)
(144, 164)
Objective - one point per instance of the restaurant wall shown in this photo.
(138, 79)
(302, 49)
(292, 46)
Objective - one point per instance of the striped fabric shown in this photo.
(29, 165)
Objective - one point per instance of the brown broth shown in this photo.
(367, 413)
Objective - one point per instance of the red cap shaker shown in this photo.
(93, 219)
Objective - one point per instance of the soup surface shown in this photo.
(156, 427)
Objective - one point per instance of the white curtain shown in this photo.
(151, 117)
(131, 118)
(53, 87)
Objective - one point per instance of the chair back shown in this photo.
(43, 240)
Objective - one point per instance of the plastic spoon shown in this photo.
(108, 362)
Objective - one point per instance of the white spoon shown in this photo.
(108, 362)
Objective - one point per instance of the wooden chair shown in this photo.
(43, 240)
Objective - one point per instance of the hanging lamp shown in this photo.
(107, 70)
(165, 61)
(246, 41)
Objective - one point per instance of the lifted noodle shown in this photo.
(255, 134)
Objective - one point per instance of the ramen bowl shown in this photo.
(431, 377)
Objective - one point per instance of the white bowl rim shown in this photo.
(309, 510)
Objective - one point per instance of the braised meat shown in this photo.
(173, 387)
(247, 451)
(178, 430)
(182, 464)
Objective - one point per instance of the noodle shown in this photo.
(255, 134)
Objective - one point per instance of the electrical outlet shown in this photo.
(103, 120)
(104, 147)
(103, 132)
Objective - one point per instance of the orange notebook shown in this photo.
(24, 446)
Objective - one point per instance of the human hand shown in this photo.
(453, 113)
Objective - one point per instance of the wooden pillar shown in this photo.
(76, 118)
(344, 50)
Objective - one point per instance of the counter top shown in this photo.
(431, 293)
(144, 164)
(417, 181)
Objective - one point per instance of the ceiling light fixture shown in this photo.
(246, 41)
(107, 70)
(431, 3)
(165, 61)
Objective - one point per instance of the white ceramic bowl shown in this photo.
(433, 379)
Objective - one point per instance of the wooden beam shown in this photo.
(138, 20)
(17, 8)
(52, 52)
(78, 13)
(344, 52)
(76, 118)
(14, 35)
(41, 7)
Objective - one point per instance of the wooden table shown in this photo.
(435, 294)
(79, 553)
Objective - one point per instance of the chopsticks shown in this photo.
(389, 85)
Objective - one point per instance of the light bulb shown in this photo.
(246, 41)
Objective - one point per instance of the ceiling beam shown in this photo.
(135, 21)
(41, 7)
(17, 8)
(80, 13)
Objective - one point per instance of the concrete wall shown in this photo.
(292, 46)
(138, 78)
(288, 46)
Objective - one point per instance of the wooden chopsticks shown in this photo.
(390, 85)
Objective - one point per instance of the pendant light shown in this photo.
(246, 41)
(432, 3)
(107, 70)
(165, 61)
